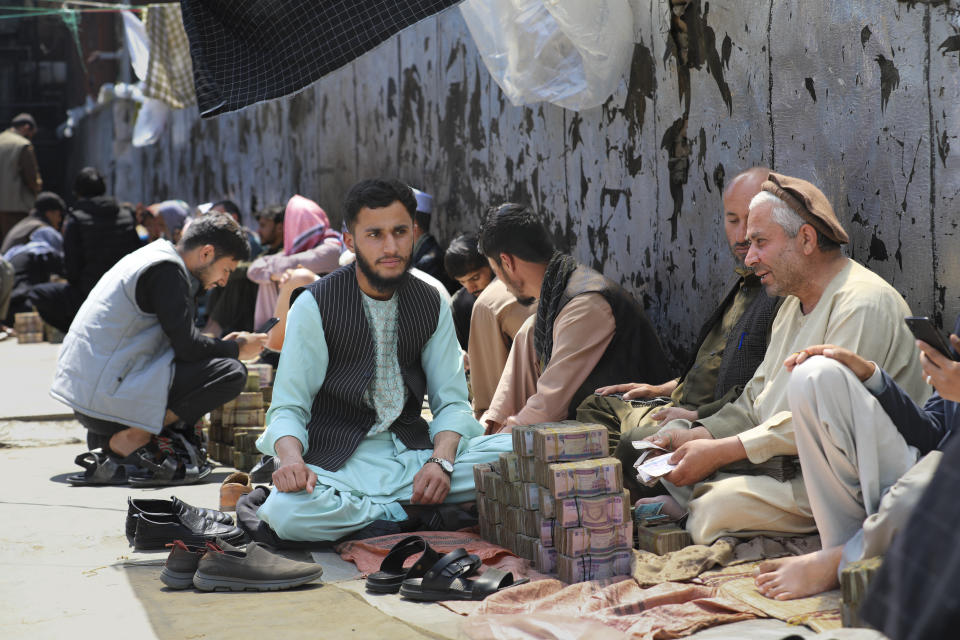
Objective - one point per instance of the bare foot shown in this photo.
(799, 576)
(670, 506)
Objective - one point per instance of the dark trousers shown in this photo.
(197, 388)
(914, 595)
(57, 303)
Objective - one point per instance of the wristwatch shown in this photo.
(446, 465)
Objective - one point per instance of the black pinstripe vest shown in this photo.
(338, 419)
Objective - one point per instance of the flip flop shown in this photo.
(449, 579)
(104, 469)
(392, 574)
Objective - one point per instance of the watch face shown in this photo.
(446, 466)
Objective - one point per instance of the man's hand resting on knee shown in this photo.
(860, 367)
(431, 485)
(293, 474)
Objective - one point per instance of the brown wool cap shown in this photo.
(809, 202)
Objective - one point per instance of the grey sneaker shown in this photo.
(183, 561)
(255, 569)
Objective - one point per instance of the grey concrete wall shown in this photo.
(859, 97)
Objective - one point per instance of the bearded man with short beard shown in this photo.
(363, 345)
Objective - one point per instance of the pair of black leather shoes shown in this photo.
(153, 524)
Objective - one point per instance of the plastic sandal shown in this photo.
(104, 469)
(392, 574)
(173, 470)
(450, 585)
(445, 580)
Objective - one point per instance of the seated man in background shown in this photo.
(96, 234)
(233, 209)
(48, 211)
(588, 331)
(868, 453)
(732, 344)
(231, 308)
(796, 252)
(464, 264)
(170, 218)
(427, 252)
(494, 323)
(363, 346)
(310, 248)
(133, 365)
(34, 263)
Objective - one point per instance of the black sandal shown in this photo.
(173, 470)
(106, 469)
(449, 579)
(392, 574)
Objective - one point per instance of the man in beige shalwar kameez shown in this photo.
(494, 323)
(795, 250)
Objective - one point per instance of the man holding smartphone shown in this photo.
(134, 366)
(868, 452)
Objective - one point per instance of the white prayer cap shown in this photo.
(424, 201)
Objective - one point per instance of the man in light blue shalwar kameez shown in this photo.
(344, 422)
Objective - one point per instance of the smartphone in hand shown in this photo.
(266, 326)
(924, 329)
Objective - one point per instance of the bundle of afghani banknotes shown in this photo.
(558, 500)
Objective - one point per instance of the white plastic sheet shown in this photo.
(137, 44)
(572, 53)
(151, 121)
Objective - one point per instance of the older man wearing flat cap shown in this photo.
(829, 299)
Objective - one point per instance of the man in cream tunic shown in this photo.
(795, 250)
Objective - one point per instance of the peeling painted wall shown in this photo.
(860, 98)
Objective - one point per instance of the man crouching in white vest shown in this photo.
(133, 365)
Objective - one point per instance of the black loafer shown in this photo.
(155, 532)
(175, 506)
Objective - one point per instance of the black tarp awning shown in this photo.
(247, 51)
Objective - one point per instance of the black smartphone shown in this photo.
(266, 326)
(923, 329)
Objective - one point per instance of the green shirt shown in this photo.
(698, 387)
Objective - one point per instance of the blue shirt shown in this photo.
(926, 428)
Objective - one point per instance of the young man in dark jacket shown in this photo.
(98, 232)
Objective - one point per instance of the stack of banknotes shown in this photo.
(558, 500)
(593, 567)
